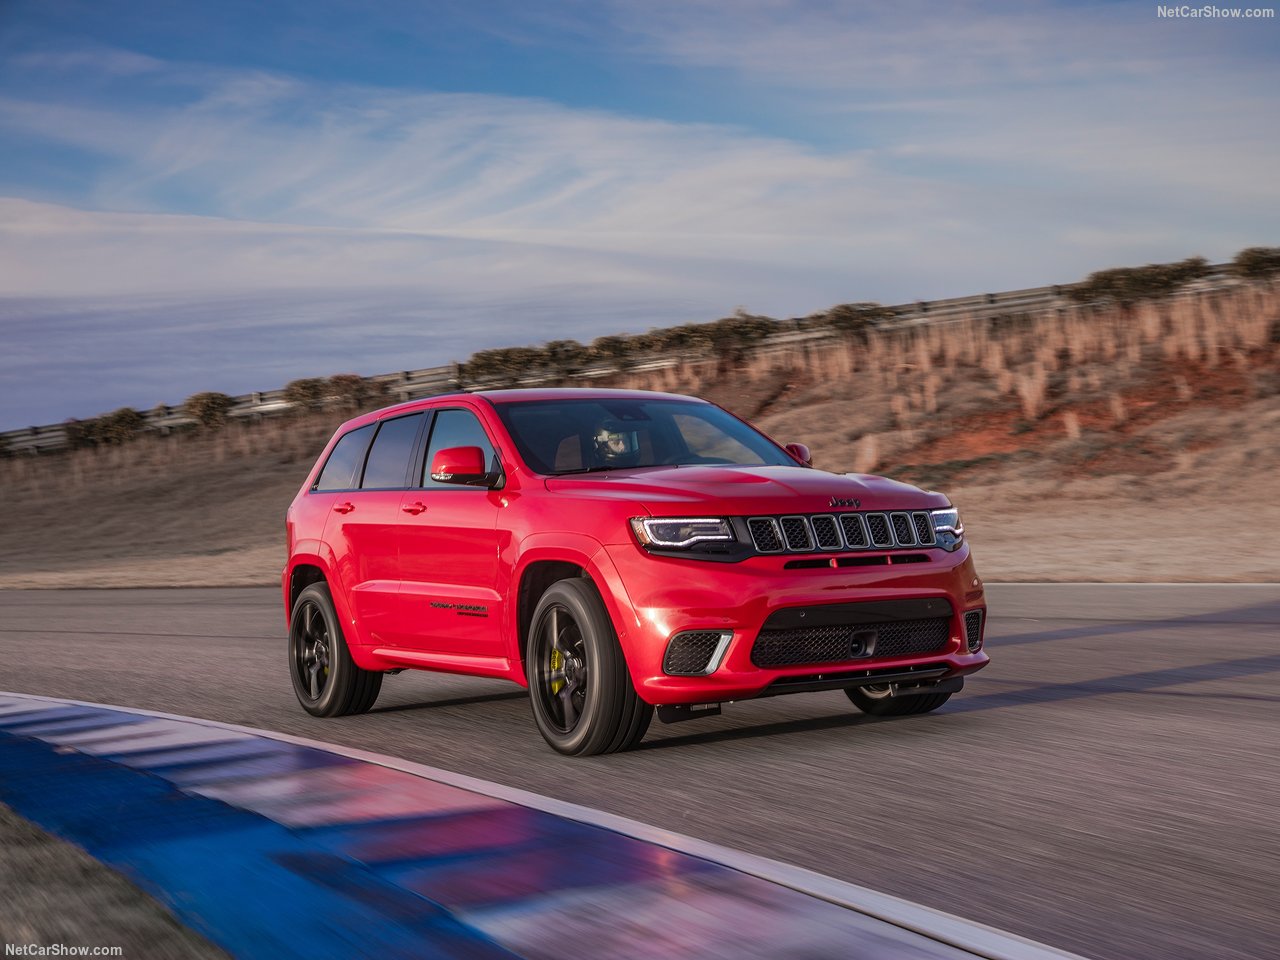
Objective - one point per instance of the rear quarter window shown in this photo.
(388, 464)
(344, 463)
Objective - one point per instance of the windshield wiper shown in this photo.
(602, 469)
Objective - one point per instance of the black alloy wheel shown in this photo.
(581, 693)
(311, 649)
(564, 682)
(328, 683)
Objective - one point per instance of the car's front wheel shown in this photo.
(325, 678)
(582, 697)
(878, 701)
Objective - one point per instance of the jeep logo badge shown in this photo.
(844, 502)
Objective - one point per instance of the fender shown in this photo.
(589, 554)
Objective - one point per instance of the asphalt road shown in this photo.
(1108, 785)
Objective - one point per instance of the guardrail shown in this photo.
(413, 384)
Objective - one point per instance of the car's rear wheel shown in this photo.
(327, 681)
(582, 697)
(878, 701)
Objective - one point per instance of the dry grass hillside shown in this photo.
(1121, 444)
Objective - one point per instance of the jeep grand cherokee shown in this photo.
(616, 552)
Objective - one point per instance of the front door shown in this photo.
(449, 552)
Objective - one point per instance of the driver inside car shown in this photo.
(616, 445)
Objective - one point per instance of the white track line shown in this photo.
(975, 938)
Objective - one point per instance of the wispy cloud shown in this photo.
(962, 148)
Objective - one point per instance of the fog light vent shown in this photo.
(695, 653)
(973, 630)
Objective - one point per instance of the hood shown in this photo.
(738, 491)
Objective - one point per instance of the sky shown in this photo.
(228, 196)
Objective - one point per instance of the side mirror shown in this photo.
(461, 465)
(800, 452)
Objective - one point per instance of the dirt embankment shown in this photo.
(1093, 445)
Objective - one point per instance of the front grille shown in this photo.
(855, 530)
(846, 531)
(903, 531)
(832, 644)
(973, 630)
(795, 531)
(765, 535)
(924, 528)
(689, 654)
(878, 524)
(826, 533)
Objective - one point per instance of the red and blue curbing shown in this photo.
(275, 848)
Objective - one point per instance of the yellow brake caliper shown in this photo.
(556, 663)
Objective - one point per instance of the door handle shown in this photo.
(415, 508)
(344, 507)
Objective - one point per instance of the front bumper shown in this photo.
(666, 596)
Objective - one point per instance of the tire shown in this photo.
(328, 683)
(582, 697)
(875, 700)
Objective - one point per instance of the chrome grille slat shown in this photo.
(878, 525)
(904, 531)
(795, 533)
(765, 534)
(855, 530)
(826, 532)
(924, 528)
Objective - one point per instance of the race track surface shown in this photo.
(1107, 786)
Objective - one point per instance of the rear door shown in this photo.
(449, 550)
(363, 526)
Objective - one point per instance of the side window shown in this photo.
(388, 465)
(343, 466)
(455, 428)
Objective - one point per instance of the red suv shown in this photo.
(616, 551)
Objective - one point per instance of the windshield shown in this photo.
(579, 436)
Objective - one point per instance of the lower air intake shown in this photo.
(691, 654)
(835, 643)
(973, 630)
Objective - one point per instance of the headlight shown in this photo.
(678, 533)
(947, 528)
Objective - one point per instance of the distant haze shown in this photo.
(229, 196)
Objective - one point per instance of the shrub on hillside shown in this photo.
(77, 433)
(688, 338)
(308, 393)
(353, 391)
(565, 357)
(507, 364)
(733, 337)
(619, 350)
(117, 427)
(1257, 263)
(851, 318)
(209, 409)
(1128, 285)
(120, 426)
